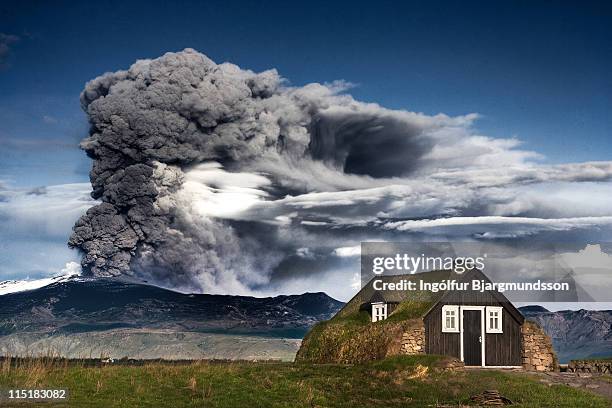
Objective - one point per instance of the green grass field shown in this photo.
(407, 381)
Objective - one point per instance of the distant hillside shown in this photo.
(526, 310)
(575, 334)
(78, 316)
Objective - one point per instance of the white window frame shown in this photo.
(379, 311)
(494, 312)
(453, 312)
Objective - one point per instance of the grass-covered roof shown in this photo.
(413, 303)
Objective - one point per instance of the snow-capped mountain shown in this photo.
(71, 271)
(13, 286)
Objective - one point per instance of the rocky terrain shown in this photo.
(78, 317)
(576, 334)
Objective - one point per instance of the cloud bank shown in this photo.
(215, 178)
(34, 224)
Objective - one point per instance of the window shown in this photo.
(379, 311)
(450, 319)
(494, 319)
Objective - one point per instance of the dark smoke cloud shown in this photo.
(212, 177)
(347, 140)
(150, 123)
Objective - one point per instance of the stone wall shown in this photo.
(413, 340)
(536, 346)
(590, 366)
(536, 349)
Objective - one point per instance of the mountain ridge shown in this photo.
(79, 317)
(575, 334)
(64, 306)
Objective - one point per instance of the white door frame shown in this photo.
(482, 330)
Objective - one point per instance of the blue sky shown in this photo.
(538, 72)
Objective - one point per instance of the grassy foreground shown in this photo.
(406, 381)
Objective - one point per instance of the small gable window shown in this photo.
(494, 319)
(450, 319)
(379, 311)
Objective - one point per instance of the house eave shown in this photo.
(518, 316)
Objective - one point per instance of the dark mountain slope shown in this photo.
(575, 333)
(80, 305)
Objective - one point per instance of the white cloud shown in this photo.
(47, 212)
(34, 227)
(213, 192)
(71, 268)
(498, 226)
(348, 251)
(305, 253)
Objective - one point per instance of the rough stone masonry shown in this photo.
(536, 349)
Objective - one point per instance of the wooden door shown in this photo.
(472, 338)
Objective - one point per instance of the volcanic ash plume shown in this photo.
(147, 125)
(152, 123)
(210, 176)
